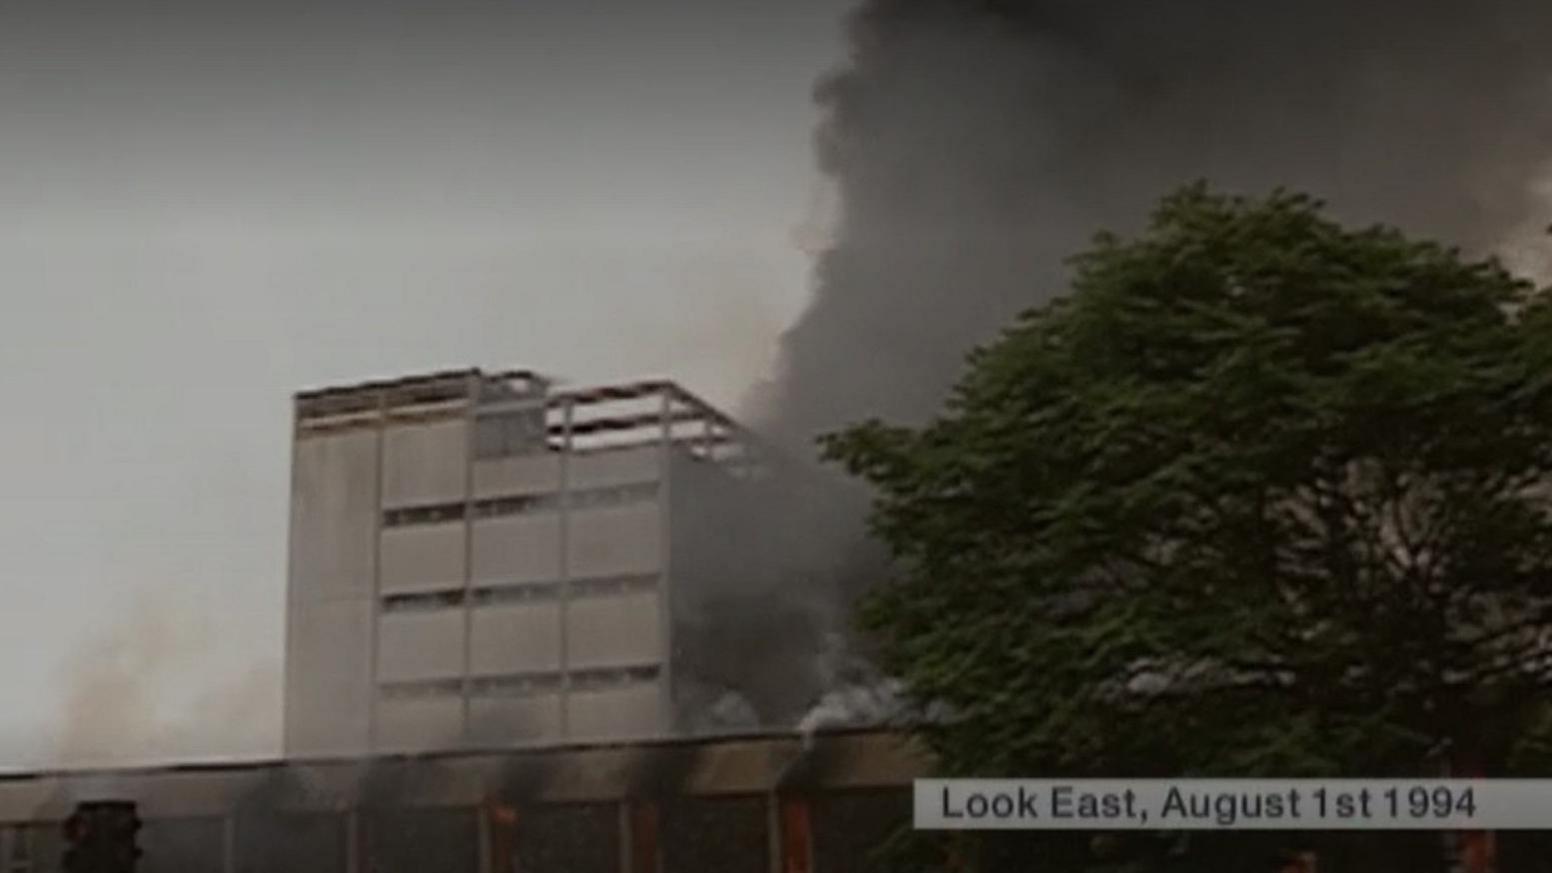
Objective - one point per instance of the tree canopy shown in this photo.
(1261, 495)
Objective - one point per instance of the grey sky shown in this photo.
(206, 208)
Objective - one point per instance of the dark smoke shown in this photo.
(976, 144)
(973, 146)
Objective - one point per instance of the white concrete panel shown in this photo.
(326, 718)
(328, 681)
(520, 474)
(420, 645)
(425, 463)
(419, 723)
(628, 712)
(334, 515)
(605, 468)
(613, 630)
(422, 557)
(331, 638)
(616, 540)
(516, 638)
(517, 548)
(497, 720)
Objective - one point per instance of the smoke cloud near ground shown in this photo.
(132, 697)
(974, 146)
(1527, 249)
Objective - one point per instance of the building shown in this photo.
(775, 803)
(479, 560)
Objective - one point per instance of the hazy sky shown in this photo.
(208, 207)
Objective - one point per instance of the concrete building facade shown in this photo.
(477, 560)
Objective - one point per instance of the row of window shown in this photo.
(496, 507)
(522, 684)
(527, 592)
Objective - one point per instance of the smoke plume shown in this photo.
(130, 698)
(974, 144)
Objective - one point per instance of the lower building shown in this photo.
(777, 803)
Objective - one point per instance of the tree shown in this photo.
(1262, 495)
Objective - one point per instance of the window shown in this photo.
(515, 685)
(423, 514)
(610, 677)
(614, 496)
(522, 592)
(515, 505)
(423, 600)
(495, 593)
(421, 688)
(613, 585)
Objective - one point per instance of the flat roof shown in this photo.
(731, 765)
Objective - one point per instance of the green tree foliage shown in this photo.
(1262, 495)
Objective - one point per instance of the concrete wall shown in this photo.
(422, 557)
(517, 548)
(328, 695)
(619, 713)
(420, 645)
(515, 638)
(425, 464)
(414, 724)
(614, 630)
(494, 721)
(607, 468)
(520, 474)
(616, 540)
(334, 517)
